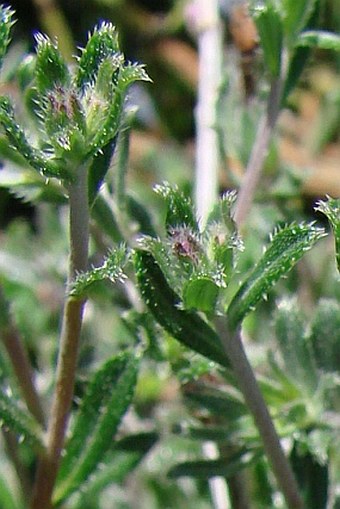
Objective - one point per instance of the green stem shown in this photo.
(69, 344)
(248, 385)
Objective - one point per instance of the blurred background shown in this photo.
(158, 33)
(302, 167)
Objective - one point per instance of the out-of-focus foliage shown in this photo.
(184, 396)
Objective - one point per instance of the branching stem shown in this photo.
(69, 343)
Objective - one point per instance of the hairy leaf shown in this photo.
(112, 270)
(325, 335)
(120, 460)
(295, 347)
(18, 420)
(6, 23)
(51, 71)
(186, 326)
(200, 293)
(179, 209)
(98, 169)
(105, 402)
(287, 246)
(18, 141)
(331, 209)
(102, 44)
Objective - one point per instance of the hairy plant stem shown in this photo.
(69, 343)
(260, 148)
(246, 380)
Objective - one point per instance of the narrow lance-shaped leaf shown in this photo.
(51, 70)
(325, 335)
(331, 209)
(269, 26)
(179, 209)
(295, 347)
(319, 39)
(224, 467)
(19, 421)
(103, 43)
(106, 400)
(185, 326)
(98, 169)
(126, 75)
(288, 245)
(111, 269)
(19, 142)
(295, 16)
(6, 23)
(126, 454)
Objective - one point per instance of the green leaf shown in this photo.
(295, 16)
(98, 169)
(179, 208)
(106, 400)
(224, 467)
(120, 460)
(140, 215)
(102, 44)
(331, 209)
(103, 122)
(51, 71)
(104, 216)
(295, 347)
(287, 246)
(19, 142)
(6, 23)
(186, 326)
(223, 241)
(325, 335)
(225, 403)
(312, 476)
(20, 422)
(28, 185)
(7, 500)
(200, 293)
(269, 26)
(319, 39)
(111, 270)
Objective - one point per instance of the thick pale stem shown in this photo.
(69, 343)
(248, 385)
(210, 65)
